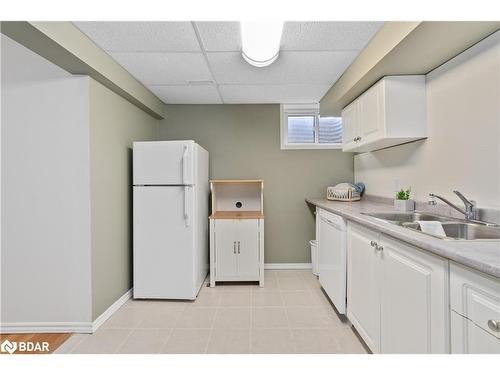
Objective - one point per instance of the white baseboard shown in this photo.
(76, 327)
(111, 310)
(46, 327)
(288, 266)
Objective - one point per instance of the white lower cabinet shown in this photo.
(414, 304)
(475, 311)
(468, 338)
(363, 284)
(397, 295)
(237, 250)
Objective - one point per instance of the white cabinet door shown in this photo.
(363, 284)
(414, 303)
(248, 249)
(391, 112)
(350, 125)
(475, 296)
(226, 254)
(371, 118)
(468, 338)
(237, 250)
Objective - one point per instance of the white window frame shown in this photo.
(302, 110)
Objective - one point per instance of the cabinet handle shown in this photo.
(373, 244)
(379, 248)
(494, 325)
(234, 247)
(355, 139)
(238, 247)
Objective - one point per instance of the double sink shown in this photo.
(455, 229)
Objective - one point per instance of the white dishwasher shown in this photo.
(332, 254)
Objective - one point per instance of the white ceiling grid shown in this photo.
(201, 62)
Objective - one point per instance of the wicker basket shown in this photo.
(342, 194)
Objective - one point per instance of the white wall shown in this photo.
(463, 146)
(45, 238)
(114, 124)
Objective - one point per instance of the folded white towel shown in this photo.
(432, 227)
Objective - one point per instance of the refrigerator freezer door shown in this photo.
(163, 243)
(164, 163)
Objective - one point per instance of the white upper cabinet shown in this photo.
(350, 125)
(391, 112)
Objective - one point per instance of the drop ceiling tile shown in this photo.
(235, 94)
(165, 68)
(187, 94)
(220, 36)
(327, 36)
(323, 67)
(141, 36)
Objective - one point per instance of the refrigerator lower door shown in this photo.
(163, 243)
(164, 163)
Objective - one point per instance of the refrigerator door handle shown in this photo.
(187, 219)
(185, 165)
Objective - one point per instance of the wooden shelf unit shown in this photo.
(227, 193)
(237, 215)
(237, 231)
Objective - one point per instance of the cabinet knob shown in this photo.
(494, 325)
(373, 244)
(379, 248)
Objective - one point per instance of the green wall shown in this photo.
(114, 124)
(244, 142)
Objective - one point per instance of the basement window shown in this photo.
(302, 128)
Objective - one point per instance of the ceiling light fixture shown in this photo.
(260, 42)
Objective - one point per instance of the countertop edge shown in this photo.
(418, 240)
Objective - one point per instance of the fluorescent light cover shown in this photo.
(260, 42)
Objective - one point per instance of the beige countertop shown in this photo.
(481, 255)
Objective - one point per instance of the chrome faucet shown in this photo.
(470, 211)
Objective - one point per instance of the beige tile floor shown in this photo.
(289, 315)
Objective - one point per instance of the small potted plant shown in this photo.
(403, 201)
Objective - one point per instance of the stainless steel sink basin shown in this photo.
(455, 229)
(402, 217)
(464, 231)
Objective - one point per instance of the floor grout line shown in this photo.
(213, 326)
(124, 341)
(250, 336)
(287, 317)
(301, 294)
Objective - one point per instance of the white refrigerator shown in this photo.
(170, 225)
